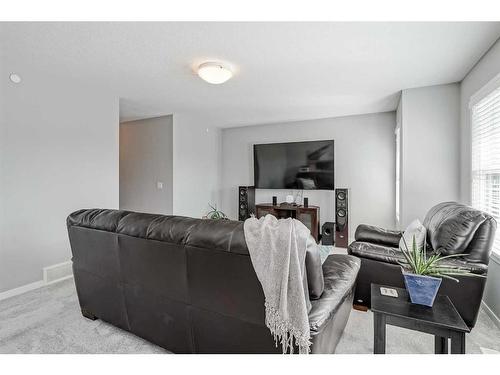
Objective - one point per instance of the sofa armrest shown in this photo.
(340, 272)
(376, 235)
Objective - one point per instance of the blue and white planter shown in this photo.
(422, 289)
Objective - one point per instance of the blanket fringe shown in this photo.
(284, 332)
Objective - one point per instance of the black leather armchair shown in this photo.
(452, 228)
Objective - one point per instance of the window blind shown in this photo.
(486, 157)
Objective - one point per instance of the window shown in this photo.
(485, 123)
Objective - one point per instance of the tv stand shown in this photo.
(284, 204)
(309, 215)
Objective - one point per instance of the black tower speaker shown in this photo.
(306, 202)
(328, 234)
(246, 202)
(342, 217)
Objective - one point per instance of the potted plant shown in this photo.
(215, 214)
(423, 274)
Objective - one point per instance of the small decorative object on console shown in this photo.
(289, 199)
(306, 202)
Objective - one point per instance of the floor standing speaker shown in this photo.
(246, 202)
(341, 217)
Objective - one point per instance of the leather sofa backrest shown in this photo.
(195, 276)
(454, 228)
(193, 271)
(224, 235)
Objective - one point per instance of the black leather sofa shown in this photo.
(188, 284)
(450, 227)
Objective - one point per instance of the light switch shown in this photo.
(159, 185)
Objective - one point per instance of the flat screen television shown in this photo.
(294, 165)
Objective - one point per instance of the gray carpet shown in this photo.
(48, 320)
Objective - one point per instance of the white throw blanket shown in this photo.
(278, 251)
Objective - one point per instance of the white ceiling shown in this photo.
(284, 71)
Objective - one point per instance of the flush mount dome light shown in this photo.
(214, 72)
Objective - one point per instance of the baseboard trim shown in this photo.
(495, 257)
(21, 290)
(57, 272)
(59, 280)
(490, 313)
(47, 280)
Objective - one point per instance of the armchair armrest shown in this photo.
(376, 235)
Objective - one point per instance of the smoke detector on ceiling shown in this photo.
(15, 78)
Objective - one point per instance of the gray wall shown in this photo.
(364, 152)
(430, 149)
(196, 165)
(485, 70)
(59, 153)
(146, 158)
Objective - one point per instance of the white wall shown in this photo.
(430, 149)
(485, 70)
(59, 153)
(196, 172)
(146, 158)
(364, 152)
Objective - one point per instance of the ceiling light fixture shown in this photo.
(15, 78)
(214, 72)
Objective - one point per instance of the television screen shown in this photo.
(294, 165)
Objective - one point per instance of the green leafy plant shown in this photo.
(215, 213)
(418, 262)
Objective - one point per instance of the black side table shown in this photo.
(441, 320)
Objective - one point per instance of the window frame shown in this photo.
(397, 134)
(484, 91)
